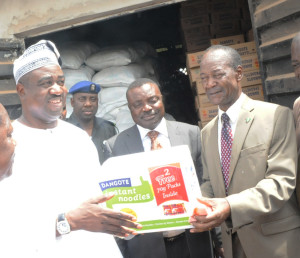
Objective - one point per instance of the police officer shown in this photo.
(85, 105)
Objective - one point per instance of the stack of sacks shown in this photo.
(73, 56)
(117, 67)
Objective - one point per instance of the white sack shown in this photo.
(84, 73)
(124, 119)
(119, 75)
(112, 94)
(111, 56)
(109, 107)
(73, 54)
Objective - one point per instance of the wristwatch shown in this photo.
(62, 225)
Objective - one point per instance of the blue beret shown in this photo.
(85, 86)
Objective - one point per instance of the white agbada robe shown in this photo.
(54, 171)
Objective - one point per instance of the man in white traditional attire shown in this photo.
(45, 205)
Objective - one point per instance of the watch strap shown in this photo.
(61, 217)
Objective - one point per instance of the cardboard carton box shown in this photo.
(194, 21)
(194, 74)
(221, 5)
(230, 27)
(246, 48)
(245, 12)
(194, 9)
(203, 101)
(194, 59)
(222, 16)
(208, 113)
(241, 3)
(251, 78)
(254, 92)
(226, 41)
(250, 35)
(198, 31)
(250, 62)
(199, 88)
(196, 44)
(246, 25)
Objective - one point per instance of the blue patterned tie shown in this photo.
(226, 147)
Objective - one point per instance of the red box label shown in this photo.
(167, 182)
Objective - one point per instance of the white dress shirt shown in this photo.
(163, 137)
(164, 140)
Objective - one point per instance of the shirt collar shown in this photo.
(161, 128)
(233, 110)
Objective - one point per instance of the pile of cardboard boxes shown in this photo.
(211, 26)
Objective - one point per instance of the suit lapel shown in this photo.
(174, 134)
(244, 122)
(133, 140)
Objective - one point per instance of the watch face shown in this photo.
(63, 227)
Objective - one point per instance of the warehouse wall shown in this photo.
(275, 24)
(26, 18)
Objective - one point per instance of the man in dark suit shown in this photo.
(147, 110)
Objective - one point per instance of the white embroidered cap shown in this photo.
(38, 55)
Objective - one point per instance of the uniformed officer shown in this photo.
(85, 105)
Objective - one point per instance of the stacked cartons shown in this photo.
(225, 18)
(218, 22)
(251, 78)
(202, 20)
(229, 40)
(194, 19)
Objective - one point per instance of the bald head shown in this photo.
(295, 55)
(231, 56)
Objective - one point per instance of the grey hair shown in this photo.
(234, 58)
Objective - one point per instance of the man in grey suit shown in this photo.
(147, 110)
(249, 166)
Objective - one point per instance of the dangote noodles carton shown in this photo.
(158, 187)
